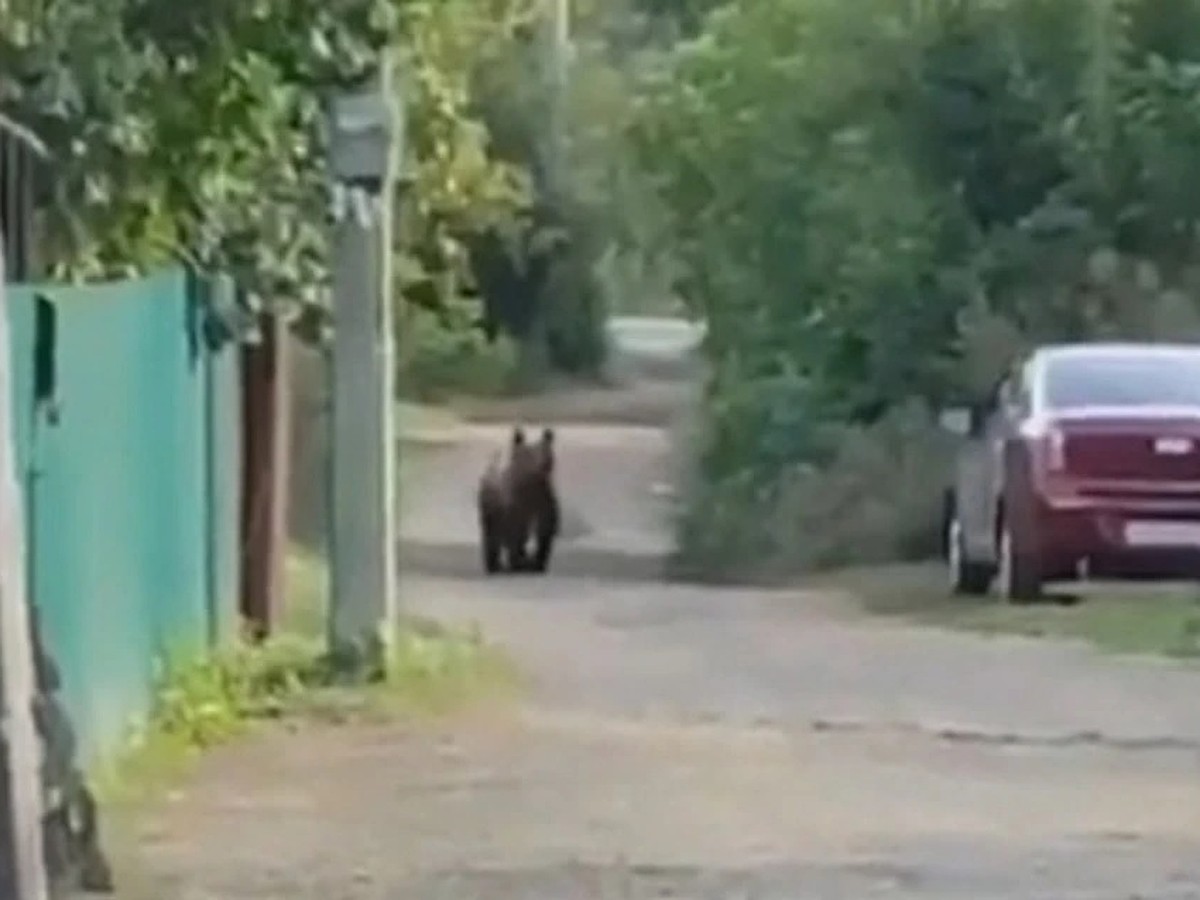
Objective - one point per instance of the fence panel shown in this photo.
(123, 466)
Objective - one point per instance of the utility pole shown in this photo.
(365, 126)
(559, 41)
(550, 172)
(22, 850)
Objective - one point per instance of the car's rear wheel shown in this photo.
(967, 578)
(1020, 575)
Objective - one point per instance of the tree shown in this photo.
(864, 197)
(195, 133)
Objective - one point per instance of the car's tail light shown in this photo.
(1047, 443)
(1056, 450)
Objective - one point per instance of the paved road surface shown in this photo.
(703, 743)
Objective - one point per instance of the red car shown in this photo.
(1084, 463)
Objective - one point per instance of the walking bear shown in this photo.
(518, 502)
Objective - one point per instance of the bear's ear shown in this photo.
(518, 436)
(548, 436)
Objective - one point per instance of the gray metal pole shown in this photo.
(23, 817)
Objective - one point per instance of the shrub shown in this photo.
(203, 702)
(877, 497)
(445, 354)
(875, 202)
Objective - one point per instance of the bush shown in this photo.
(575, 311)
(203, 702)
(878, 497)
(931, 200)
(444, 354)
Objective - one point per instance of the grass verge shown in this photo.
(202, 703)
(422, 424)
(1157, 620)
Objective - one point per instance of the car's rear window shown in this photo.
(1123, 380)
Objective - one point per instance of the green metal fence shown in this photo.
(127, 433)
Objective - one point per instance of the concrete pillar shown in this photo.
(363, 538)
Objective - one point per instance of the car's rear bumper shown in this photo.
(1091, 531)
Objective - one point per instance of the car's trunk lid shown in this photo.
(1158, 444)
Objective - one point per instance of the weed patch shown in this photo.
(867, 495)
(204, 701)
(1148, 620)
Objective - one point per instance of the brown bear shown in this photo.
(517, 501)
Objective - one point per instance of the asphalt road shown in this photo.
(691, 742)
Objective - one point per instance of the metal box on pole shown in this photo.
(365, 128)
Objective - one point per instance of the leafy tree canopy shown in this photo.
(880, 201)
(194, 131)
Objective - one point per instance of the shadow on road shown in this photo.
(446, 560)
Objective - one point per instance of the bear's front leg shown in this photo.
(491, 542)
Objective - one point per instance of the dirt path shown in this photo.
(692, 743)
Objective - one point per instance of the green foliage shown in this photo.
(445, 356)
(439, 669)
(552, 282)
(203, 701)
(676, 17)
(880, 203)
(1154, 620)
(461, 189)
(196, 132)
(187, 133)
(872, 498)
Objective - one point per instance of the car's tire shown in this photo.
(1020, 574)
(967, 578)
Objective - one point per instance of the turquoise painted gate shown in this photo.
(128, 425)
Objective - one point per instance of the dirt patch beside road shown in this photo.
(691, 742)
(1151, 620)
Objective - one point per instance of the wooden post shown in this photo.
(23, 817)
(265, 433)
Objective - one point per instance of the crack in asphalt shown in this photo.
(945, 734)
(980, 737)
